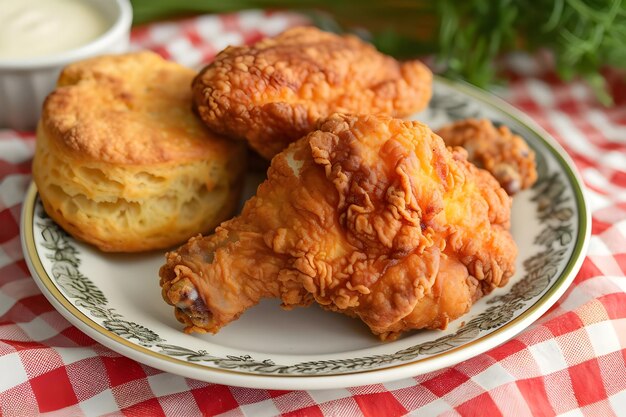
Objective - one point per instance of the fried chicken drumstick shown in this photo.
(273, 92)
(368, 216)
(496, 149)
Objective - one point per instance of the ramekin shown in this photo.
(25, 83)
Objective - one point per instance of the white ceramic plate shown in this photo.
(116, 299)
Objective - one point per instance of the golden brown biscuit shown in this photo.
(272, 93)
(123, 163)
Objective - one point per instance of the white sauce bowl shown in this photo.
(25, 83)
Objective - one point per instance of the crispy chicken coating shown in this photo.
(496, 149)
(369, 216)
(273, 92)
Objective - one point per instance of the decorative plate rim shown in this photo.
(358, 377)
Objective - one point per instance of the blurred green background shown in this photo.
(465, 37)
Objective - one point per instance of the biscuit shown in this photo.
(122, 162)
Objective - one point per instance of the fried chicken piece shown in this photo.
(273, 92)
(368, 216)
(499, 151)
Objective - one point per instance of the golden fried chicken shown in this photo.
(369, 216)
(498, 150)
(273, 92)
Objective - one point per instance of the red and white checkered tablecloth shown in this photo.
(571, 362)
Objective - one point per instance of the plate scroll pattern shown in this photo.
(555, 212)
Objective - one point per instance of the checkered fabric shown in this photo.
(571, 362)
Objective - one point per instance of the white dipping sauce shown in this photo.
(38, 28)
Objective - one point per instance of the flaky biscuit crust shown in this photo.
(128, 109)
